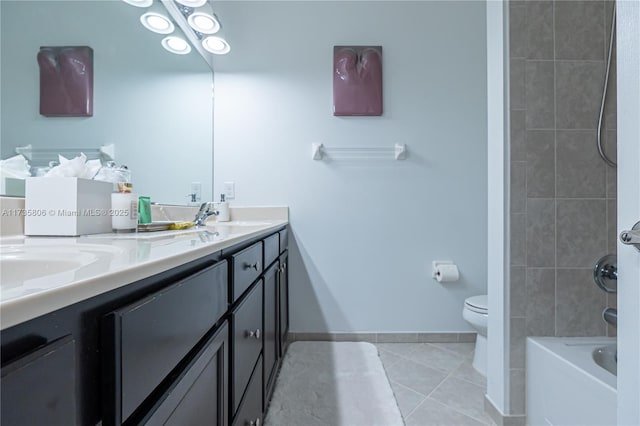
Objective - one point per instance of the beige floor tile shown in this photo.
(462, 396)
(463, 349)
(434, 357)
(407, 399)
(415, 376)
(468, 373)
(433, 413)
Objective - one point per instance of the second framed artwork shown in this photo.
(357, 80)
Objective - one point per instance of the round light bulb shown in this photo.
(192, 3)
(216, 45)
(157, 23)
(203, 23)
(176, 45)
(139, 3)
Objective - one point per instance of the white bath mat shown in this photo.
(333, 384)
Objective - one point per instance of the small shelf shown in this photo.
(42, 156)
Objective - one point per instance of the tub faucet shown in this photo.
(206, 210)
(610, 316)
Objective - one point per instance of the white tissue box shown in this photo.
(67, 206)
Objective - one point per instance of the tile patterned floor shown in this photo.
(435, 384)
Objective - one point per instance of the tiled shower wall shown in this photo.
(563, 208)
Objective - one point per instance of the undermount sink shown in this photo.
(607, 358)
(28, 263)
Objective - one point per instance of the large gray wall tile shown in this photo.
(541, 232)
(517, 391)
(517, 293)
(541, 163)
(517, 335)
(610, 142)
(579, 304)
(612, 226)
(540, 293)
(540, 30)
(517, 37)
(516, 83)
(580, 172)
(579, 29)
(578, 93)
(518, 187)
(582, 232)
(518, 236)
(516, 145)
(539, 94)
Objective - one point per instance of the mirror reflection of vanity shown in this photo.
(156, 108)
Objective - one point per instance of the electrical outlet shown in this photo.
(196, 192)
(230, 190)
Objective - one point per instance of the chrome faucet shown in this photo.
(206, 210)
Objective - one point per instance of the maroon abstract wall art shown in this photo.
(66, 81)
(357, 80)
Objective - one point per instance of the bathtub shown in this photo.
(565, 386)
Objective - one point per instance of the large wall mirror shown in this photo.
(155, 107)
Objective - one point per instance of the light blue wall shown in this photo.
(154, 107)
(365, 231)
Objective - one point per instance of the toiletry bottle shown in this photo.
(223, 210)
(124, 209)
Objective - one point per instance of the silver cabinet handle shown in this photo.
(632, 237)
(255, 266)
(255, 422)
(252, 334)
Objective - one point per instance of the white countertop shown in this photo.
(42, 274)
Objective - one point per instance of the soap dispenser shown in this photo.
(223, 210)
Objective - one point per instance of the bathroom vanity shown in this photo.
(183, 328)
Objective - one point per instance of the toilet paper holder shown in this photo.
(435, 268)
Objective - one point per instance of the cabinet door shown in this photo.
(283, 305)
(198, 397)
(144, 341)
(40, 388)
(250, 410)
(271, 348)
(247, 341)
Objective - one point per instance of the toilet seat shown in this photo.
(478, 304)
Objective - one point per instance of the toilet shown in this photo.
(475, 312)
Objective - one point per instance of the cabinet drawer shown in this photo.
(144, 341)
(40, 388)
(284, 239)
(198, 397)
(271, 249)
(250, 412)
(247, 341)
(247, 266)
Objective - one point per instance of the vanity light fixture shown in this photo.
(177, 45)
(139, 3)
(192, 3)
(156, 22)
(216, 45)
(203, 23)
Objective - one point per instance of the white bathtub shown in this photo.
(564, 384)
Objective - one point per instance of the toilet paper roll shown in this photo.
(447, 273)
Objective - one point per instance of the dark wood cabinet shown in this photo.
(283, 302)
(271, 350)
(39, 388)
(199, 344)
(250, 412)
(198, 396)
(143, 342)
(247, 341)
